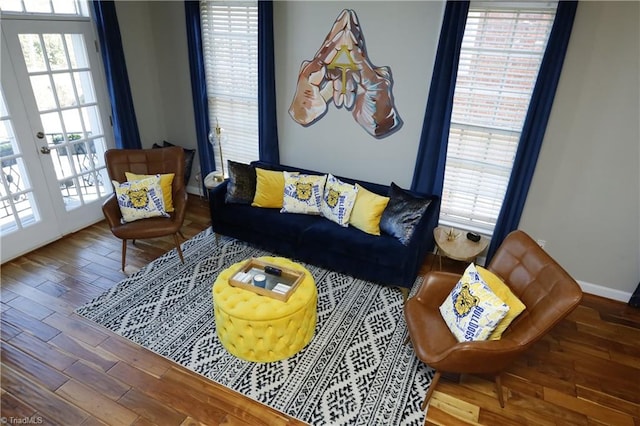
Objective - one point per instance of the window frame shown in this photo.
(230, 30)
(481, 145)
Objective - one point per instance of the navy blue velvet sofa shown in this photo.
(317, 240)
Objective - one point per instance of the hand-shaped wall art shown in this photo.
(342, 72)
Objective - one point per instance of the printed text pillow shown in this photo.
(472, 311)
(338, 200)
(140, 199)
(302, 193)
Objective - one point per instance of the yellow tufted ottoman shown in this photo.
(259, 328)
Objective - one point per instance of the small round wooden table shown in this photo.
(460, 247)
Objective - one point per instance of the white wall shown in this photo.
(584, 196)
(155, 45)
(136, 30)
(401, 35)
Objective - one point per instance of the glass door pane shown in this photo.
(17, 205)
(62, 84)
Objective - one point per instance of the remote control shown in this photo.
(273, 270)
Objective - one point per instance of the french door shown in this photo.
(54, 130)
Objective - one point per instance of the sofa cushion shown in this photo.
(266, 222)
(352, 243)
(402, 213)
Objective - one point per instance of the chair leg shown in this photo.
(432, 386)
(182, 235)
(124, 252)
(499, 390)
(405, 293)
(175, 238)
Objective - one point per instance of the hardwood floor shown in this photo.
(58, 368)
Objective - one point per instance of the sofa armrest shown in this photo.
(422, 238)
(216, 197)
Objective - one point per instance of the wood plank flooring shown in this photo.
(59, 369)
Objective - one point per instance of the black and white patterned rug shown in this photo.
(355, 371)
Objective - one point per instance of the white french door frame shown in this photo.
(55, 219)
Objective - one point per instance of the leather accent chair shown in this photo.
(148, 162)
(547, 290)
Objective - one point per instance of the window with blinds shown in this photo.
(502, 49)
(230, 49)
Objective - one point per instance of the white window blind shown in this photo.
(502, 49)
(230, 49)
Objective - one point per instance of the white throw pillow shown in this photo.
(338, 200)
(302, 193)
(140, 199)
(472, 311)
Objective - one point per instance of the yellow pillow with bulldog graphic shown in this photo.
(140, 199)
(302, 193)
(472, 311)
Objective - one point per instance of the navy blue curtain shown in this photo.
(199, 87)
(428, 174)
(267, 118)
(123, 115)
(535, 125)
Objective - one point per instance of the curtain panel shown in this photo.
(199, 88)
(123, 115)
(267, 117)
(535, 125)
(428, 175)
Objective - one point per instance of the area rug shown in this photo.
(356, 370)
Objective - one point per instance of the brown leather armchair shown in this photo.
(548, 292)
(146, 161)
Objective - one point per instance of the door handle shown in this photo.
(45, 150)
(40, 135)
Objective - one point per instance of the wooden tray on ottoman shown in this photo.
(284, 284)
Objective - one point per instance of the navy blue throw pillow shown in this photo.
(402, 214)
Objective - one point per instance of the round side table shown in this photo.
(259, 328)
(459, 248)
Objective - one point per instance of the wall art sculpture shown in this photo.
(342, 72)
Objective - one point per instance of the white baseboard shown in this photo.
(609, 293)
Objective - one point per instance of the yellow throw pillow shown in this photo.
(503, 292)
(166, 182)
(367, 211)
(269, 189)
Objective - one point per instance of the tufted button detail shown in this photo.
(261, 329)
